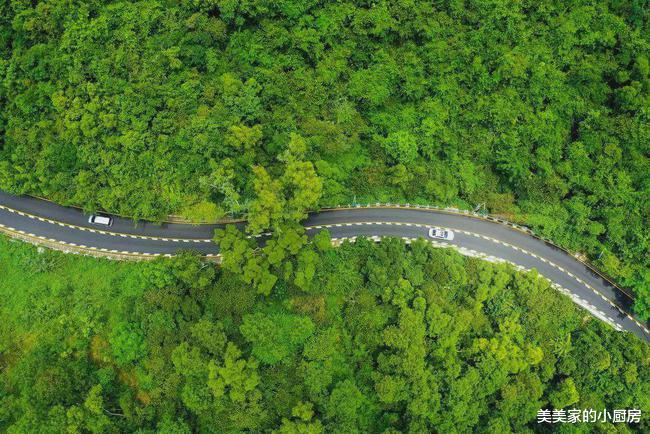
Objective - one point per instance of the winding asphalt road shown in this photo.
(40, 220)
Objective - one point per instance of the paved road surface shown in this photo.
(39, 219)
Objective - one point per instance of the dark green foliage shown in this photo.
(539, 109)
(441, 343)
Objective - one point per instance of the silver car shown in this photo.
(100, 220)
(441, 234)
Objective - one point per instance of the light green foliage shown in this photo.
(277, 337)
(345, 406)
(168, 426)
(269, 202)
(322, 362)
(203, 212)
(565, 395)
(237, 381)
(280, 211)
(404, 377)
(306, 270)
(287, 243)
(323, 240)
(238, 247)
(402, 146)
(236, 378)
(239, 257)
(301, 422)
(127, 343)
(287, 199)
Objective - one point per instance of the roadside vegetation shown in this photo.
(383, 338)
(538, 110)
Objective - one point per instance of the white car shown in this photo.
(441, 234)
(100, 220)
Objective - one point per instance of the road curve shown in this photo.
(37, 219)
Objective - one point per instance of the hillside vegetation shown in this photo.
(537, 109)
(388, 338)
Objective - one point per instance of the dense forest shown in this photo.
(388, 338)
(537, 109)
